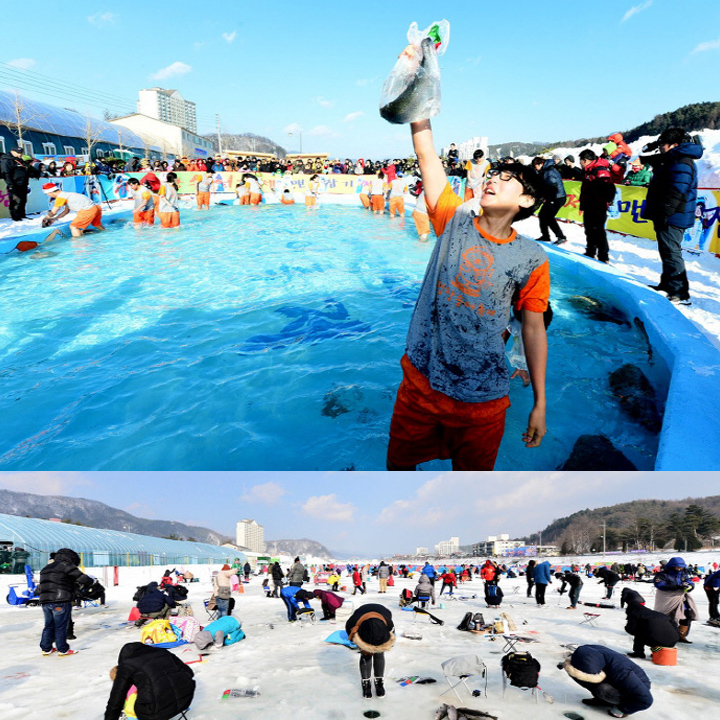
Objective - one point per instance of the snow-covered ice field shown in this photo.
(300, 676)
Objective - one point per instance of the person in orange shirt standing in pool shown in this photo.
(203, 191)
(378, 188)
(87, 212)
(168, 202)
(453, 397)
(313, 191)
(144, 212)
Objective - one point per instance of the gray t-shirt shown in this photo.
(471, 282)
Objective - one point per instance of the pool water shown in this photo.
(257, 338)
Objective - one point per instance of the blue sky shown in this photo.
(365, 512)
(519, 70)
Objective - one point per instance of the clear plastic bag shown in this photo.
(412, 90)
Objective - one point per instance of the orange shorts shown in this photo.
(170, 219)
(310, 200)
(378, 202)
(397, 204)
(422, 223)
(427, 424)
(365, 200)
(287, 202)
(255, 198)
(91, 216)
(245, 199)
(144, 216)
(203, 198)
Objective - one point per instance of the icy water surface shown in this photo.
(256, 338)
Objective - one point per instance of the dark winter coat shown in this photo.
(165, 684)
(651, 627)
(369, 607)
(672, 192)
(608, 577)
(570, 172)
(277, 574)
(597, 189)
(154, 600)
(58, 578)
(530, 572)
(591, 664)
(15, 172)
(628, 595)
(329, 599)
(553, 188)
(712, 581)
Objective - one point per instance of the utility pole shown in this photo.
(217, 118)
(604, 525)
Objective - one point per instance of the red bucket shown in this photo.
(664, 656)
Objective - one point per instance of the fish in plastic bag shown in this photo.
(412, 90)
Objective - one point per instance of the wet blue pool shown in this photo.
(256, 338)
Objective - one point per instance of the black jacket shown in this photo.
(15, 172)
(165, 685)
(277, 574)
(653, 628)
(58, 578)
(154, 600)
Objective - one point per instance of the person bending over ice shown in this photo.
(452, 400)
(87, 212)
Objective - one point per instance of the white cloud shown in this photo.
(329, 508)
(323, 102)
(364, 82)
(474, 60)
(323, 131)
(268, 493)
(635, 9)
(102, 19)
(43, 483)
(292, 128)
(177, 68)
(229, 37)
(353, 116)
(22, 63)
(704, 47)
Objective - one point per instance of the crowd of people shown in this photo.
(155, 681)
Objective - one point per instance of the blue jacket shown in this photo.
(622, 673)
(429, 570)
(542, 573)
(712, 581)
(672, 193)
(230, 628)
(553, 188)
(289, 594)
(674, 576)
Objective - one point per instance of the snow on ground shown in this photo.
(638, 258)
(299, 676)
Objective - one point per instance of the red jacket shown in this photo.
(449, 578)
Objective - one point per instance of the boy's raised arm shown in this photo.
(535, 341)
(431, 169)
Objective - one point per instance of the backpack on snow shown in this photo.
(521, 669)
(140, 593)
(406, 597)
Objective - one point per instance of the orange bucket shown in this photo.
(664, 656)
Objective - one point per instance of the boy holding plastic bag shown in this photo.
(453, 397)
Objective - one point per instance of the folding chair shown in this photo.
(515, 590)
(590, 619)
(306, 615)
(460, 668)
(212, 612)
(510, 642)
(422, 600)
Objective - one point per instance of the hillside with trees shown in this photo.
(247, 143)
(639, 525)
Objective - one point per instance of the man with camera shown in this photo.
(670, 204)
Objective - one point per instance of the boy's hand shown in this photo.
(524, 375)
(536, 428)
